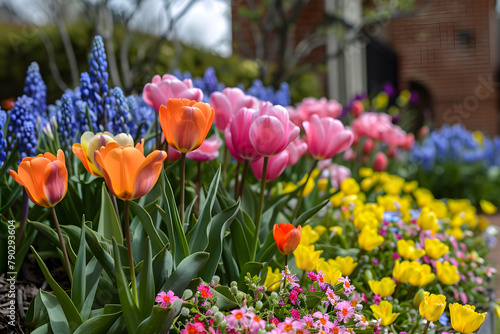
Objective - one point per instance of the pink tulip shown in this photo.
(173, 154)
(372, 124)
(326, 137)
(336, 173)
(227, 102)
(394, 136)
(423, 132)
(322, 107)
(296, 150)
(208, 150)
(357, 108)
(380, 162)
(161, 89)
(350, 154)
(238, 137)
(368, 146)
(275, 166)
(272, 131)
(410, 141)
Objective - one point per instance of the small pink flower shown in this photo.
(195, 328)
(345, 311)
(205, 291)
(348, 287)
(295, 313)
(395, 256)
(165, 298)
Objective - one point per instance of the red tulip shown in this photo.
(380, 162)
(287, 237)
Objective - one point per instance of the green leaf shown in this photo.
(37, 313)
(225, 299)
(89, 301)
(53, 238)
(218, 227)
(161, 319)
(270, 215)
(147, 223)
(58, 321)
(313, 298)
(93, 273)
(241, 248)
(309, 213)
(109, 224)
(147, 284)
(98, 324)
(252, 268)
(78, 286)
(43, 329)
(69, 308)
(29, 238)
(231, 269)
(102, 256)
(186, 270)
(130, 311)
(268, 249)
(170, 215)
(198, 238)
(162, 267)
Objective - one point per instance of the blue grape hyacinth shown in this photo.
(98, 75)
(119, 116)
(22, 127)
(35, 88)
(3, 143)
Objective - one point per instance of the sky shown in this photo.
(207, 24)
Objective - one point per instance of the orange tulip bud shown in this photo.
(128, 173)
(186, 123)
(287, 237)
(44, 177)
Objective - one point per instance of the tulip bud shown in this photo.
(419, 297)
(357, 108)
(380, 162)
(368, 147)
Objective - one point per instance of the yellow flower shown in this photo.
(432, 307)
(447, 273)
(369, 239)
(419, 297)
(363, 216)
(409, 187)
(349, 186)
(380, 101)
(478, 136)
(320, 229)
(394, 185)
(423, 196)
(273, 279)
(336, 199)
(330, 270)
(367, 184)
(335, 230)
(347, 264)
(306, 258)
(420, 274)
(427, 220)
(464, 319)
(309, 236)
(439, 208)
(435, 249)
(458, 205)
(322, 184)
(456, 232)
(487, 207)
(385, 287)
(406, 248)
(365, 172)
(383, 311)
(402, 270)
(483, 223)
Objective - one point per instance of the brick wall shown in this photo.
(451, 50)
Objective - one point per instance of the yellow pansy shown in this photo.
(322, 184)
(423, 196)
(487, 207)
(447, 273)
(347, 264)
(336, 199)
(365, 172)
(432, 307)
(435, 249)
(383, 311)
(367, 184)
(458, 205)
(439, 208)
(421, 275)
(427, 220)
(273, 279)
(385, 287)
(306, 258)
(409, 187)
(394, 185)
(309, 236)
(369, 238)
(464, 318)
(290, 186)
(380, 101)
(349, 186)
(406, 248)
(364, 216)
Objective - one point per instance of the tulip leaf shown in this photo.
(186, 270)
(161, 319)
(29, 238)
(68, 307)
(102, 256)
(218, 227)
(147, 224)
(98, 324)
(309, 213)
(109, 225)
(225, 299)
(268, 249)
(146, 291)
(129, 307)
(170, 215)
(53, 238)
(37, 313)
(270, 215)
(313, 298)
(162, 267)
(58, 321)
(89, 301)
(43, 329)
(198, 238)
(230, 265)
(78, 286)
(93, 272)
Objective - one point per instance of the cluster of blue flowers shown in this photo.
(22, 127)
(3, 143)
(456, 144)
(209, 84)
(35, 88)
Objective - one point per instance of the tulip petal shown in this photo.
(267, 135)
(78, 151)
(148, 173)
(32, 175)
(55, 182)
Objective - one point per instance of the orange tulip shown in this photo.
(287, 237)
(128, 173)
(44, 177)
(186, 123)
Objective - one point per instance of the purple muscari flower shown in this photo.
(99, 79)
(414, 97)
(3, 143)
(119, 118)
(22, 127)
(389, 89)
(35, 88)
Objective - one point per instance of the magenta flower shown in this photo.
(161, 89)
(275, 166)
(227, 102)
(208, 151)
(332, 296)
(166, 298)
(348, 287)
(237, 318)
(322, 322)
(190, 328)
(345, 311)
(272, 131)
(326, 137)
(296, 149)
(322, 108)
(237, 136)
(380, 162)
(204, 291)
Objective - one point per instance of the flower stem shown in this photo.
(410, 293)
(301, 191)
(224, 165)
(427, 326)
(157, 135)
(24, 217)
(261, 205)
(129, 250)
(243, 178)
(198, 189)
(236, 183)
(63, 245)
(286, 260)
(417, 320)
(183, 180)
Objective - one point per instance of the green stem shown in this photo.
(410, 293)
(157, 135)
(224, 165)
(115, 204)
(286, 260)
(198, 190)
(303, 279)
(427, 326)
(398, 287)
(417, 320)
(183, 180)
(63, 245)
(129, 250)
(301, 191)
(261, 206)
(243, 178)
(24, 217)
(236, 183)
